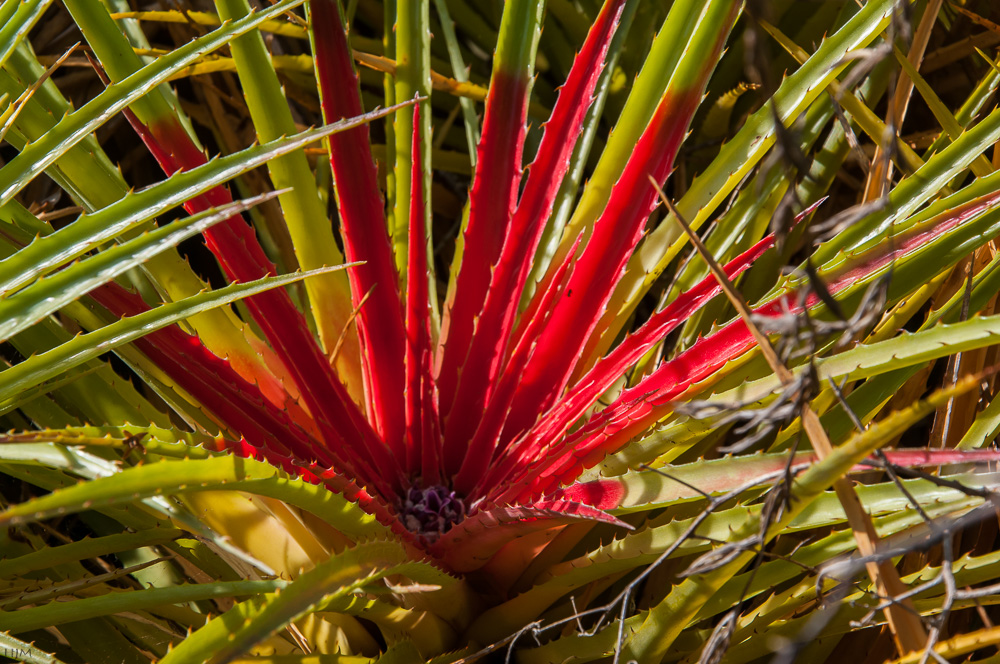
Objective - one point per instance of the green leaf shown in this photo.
(644, 547)
(78, 124)
(664, 622)
(57, 613)
(344, 574)
(85, 347)
(227, 472)
(17, 17)
(92, 230)
(980, 165)
(53, 556)
(29, 305)
(870, 360)
(25, 652)
(459, 73)
(747, 148)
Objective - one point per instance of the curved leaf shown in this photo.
(31, 304)
(234, 632)
(75, 126)
(85, 347)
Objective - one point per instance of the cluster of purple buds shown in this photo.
(431, 511)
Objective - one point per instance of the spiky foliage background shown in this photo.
(532, 418)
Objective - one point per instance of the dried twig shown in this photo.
(906, 627)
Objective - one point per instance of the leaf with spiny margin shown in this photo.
(71, 461)
(151, 438)
(939, 236)
(484, 360)
(85, 172)
(304, 213)
(492, 201)
(362, 214)
(553, 425)
(740, 154)
(971, 107)
(641, 548)
(983, 429)
(913, 192)
(774, 573)
(91, 547)
(85, 347)
(866, 361)
(471, 543)
(643, 490)
(99, 394)
(582, 647)
(315, 475)
(17, 17)
(186, 475)
(70, 377)
(458, 70)
(423, 435)
(32, 303)
(344, 574)
(75, 126)
(398, 625)
(643, 96)
(212, 382)
(664, 622)
(620, 226)
(570, 187)
(523, 353)
(780, 610)
(27, 652)
(242, 259)
(57, 613)
(749, 217)
(90, 231)
(871, 395)
(55, 468)
(401, 653)
(90, 179)
(940, 240)
(412, 78)
(980, 166)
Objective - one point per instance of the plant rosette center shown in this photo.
(431, 511)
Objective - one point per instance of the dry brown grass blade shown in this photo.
(976, 18)
(880, 175)
(957, 416)
(907, 628)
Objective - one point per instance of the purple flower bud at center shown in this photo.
(431, 511)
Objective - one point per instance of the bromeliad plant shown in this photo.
(326, 461)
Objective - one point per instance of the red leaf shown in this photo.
(470, 544)
(554, 425)
(423, 437)
(237, 403)
(493, 328)
(614, 238)
(491, 202)
(362, 212)
(602, 263)
(483, 448)
(234, 243)
(612, 493)
(640, 407)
